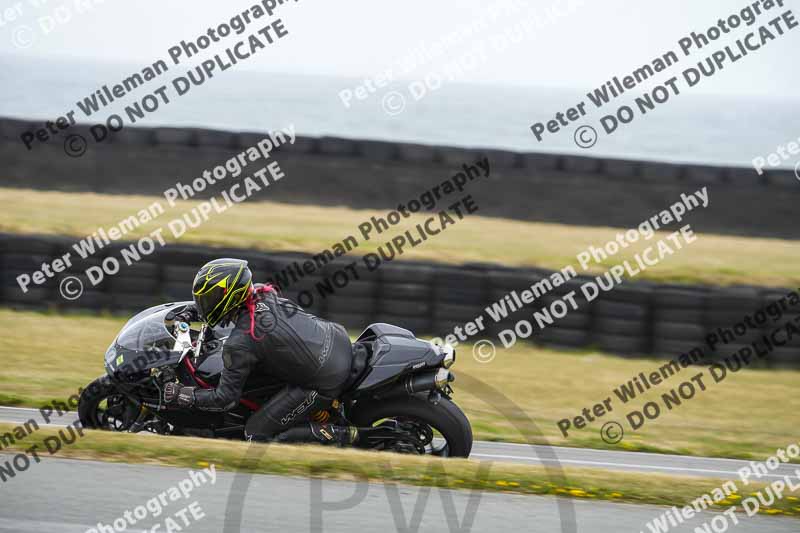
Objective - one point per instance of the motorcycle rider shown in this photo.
(272, 335)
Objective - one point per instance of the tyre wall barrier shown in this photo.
(635, 319)
(361, 174)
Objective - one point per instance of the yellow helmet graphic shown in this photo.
(220, 287)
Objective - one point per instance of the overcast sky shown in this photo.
(359, 38)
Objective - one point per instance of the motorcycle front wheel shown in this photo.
(101, 406)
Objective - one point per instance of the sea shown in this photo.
(689, 128)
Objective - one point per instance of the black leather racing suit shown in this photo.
(312, 356)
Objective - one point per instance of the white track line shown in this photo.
(618, 465)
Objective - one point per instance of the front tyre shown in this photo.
(102, 406)
(444, 417)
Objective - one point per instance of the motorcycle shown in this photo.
(400, 384)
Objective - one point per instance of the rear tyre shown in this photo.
(445, 417)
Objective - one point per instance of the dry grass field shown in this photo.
(712, 259)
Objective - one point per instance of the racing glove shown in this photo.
(176, 393)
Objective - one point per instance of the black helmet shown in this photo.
(220, 287)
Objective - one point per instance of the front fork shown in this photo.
(146, 420)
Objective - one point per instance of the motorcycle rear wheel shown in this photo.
(444, 417)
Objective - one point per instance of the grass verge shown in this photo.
(748, 416)
(384, 467)
(712, 259)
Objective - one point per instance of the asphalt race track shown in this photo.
(64, 496)
(522, 453)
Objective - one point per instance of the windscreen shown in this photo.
(147, 334)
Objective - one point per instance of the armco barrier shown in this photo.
(428, 298)
(559, 188)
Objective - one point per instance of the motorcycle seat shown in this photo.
(361, 356)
